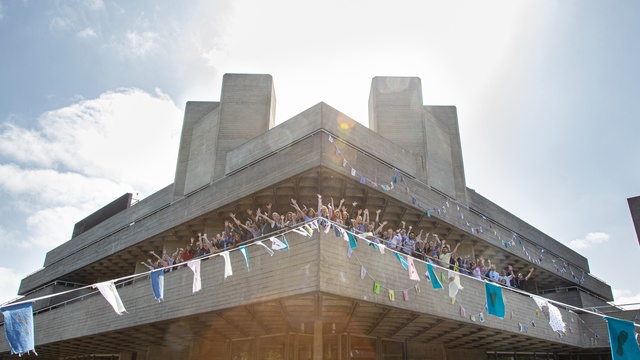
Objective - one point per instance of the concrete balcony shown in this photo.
(312, 292)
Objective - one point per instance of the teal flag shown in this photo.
(433, 278)
(403, 261)
(495, 301)
(623, 339)
(352, 240)
(243, 250)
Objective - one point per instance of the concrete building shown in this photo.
(310, 301)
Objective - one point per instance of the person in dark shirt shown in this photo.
(522, 280)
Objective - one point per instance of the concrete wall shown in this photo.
(340, 275)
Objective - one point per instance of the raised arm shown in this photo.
(530, 272)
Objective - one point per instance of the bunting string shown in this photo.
(474, 221)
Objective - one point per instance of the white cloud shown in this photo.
(81, 157)
(59, 23)
(134, 44)
(102, 138)
(9, 283)
(591, 239)
(623, 296)
(87, 33)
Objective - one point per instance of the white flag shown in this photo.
(195, 267)
(277, 244)
(413, 273)
(110, 293)
(227, 264)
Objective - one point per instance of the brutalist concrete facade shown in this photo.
(310, 301)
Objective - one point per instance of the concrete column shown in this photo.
(430, 133)
(211, 129)
(317, 340)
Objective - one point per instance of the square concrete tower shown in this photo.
(430, 133)
(211, 129)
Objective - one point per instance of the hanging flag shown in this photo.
(228, 271)
(405, 295)
(326, 228)
(344, 162)
(363, 272)
(362, 180)
(337, 151)
(330, 138)
(551, 313)
(353, 172)
(110, 293)
(463, 311)
(309, 228)
(431, 276)
(376, 287)
(381, 248)
(18, 326)
(266, 247)
(277, 244)
(301, 230)
(157, 284)
(371, 243)
(195, 267)
(454, 283)
(403, 261)
(243, 250)
(374, 184)
(495, 301)
(352, 241)
(417, 287)
(390, 186)
(413, 273)
(442, 278)
(349, 252)
(392, 295)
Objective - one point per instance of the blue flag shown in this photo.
(623, 339)
(403, 261)
(495, 301)
(18, 325)
(157, 284)
(433, 278)
(352, 241)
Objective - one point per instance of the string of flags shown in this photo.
(495, 302)
(397, 180)
(18, 317)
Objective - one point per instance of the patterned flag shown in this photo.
(110, 293)
(622, 338)
(195, 267)
(551, 313)
(157, 284)
(376, 287)
(277, 244)
(18, 326)
(228, 271)
(413, 273)
(495, 301)
(431, 276)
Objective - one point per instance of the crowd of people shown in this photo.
(429, 248)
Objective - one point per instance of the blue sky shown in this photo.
(546, 93)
